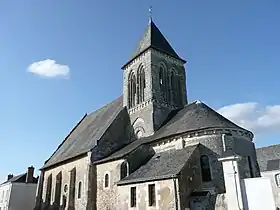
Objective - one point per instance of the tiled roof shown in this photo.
(20, 179)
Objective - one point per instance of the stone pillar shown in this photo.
(39, 193)
(232, 182)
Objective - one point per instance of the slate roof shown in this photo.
(85, 135)
(20, 179)
(153, 38)
(193, 117)
(268, 158)
(162, 165)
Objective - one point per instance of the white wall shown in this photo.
(5, 190)
(257, 194)
(22, 196)
(276, 189)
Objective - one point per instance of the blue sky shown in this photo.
(232, 48)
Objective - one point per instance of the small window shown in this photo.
(106, 181)
(66, 188)
(79, 190)
(277, 179)
(205, 168)
(152, 195)
(124, 170)
(133, 197)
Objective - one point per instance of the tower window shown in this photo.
(133, 197)
(131, 90)
(179, 91)
(106, 181)
(163, 82)
(141, 84)
(161, 76)
(205, 168)
(152, 195)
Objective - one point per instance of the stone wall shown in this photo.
(116, 136)
(82, 168)
(165, 196)
(211, 144)
(154, 110)
(107, 198)
(189, 179)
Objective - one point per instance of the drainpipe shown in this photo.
(175, 194)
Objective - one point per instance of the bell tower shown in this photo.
(154, 82)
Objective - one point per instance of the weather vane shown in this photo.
(150, 13)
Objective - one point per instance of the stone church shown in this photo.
(148, 149)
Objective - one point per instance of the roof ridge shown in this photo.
(105, 105)
(272, 145)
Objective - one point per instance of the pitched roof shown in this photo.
(269, 157)
(193, 117)
(20, 178)
(162, 165)
(153, 38)
(86, 134)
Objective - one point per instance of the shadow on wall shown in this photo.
(47, 206)
(215, 181)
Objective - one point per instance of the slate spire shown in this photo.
(153, 38)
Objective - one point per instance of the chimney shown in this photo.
(29, 175)
(10, 176)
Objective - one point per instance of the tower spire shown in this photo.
(150, 13)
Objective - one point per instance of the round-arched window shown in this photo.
(65, 188)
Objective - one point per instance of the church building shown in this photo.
(148, 149)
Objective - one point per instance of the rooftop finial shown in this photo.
(150, 13)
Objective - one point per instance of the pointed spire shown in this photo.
(153, 38)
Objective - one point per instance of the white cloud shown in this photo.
(49, 68)
(253, 116)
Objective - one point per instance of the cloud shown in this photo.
(49, 68)
(253, 116)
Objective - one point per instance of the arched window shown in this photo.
(79, 190)
(131, 90)
(124, 169)
(106, 181)
(277, 179)
(58, 186)
(179, 86)
(141, 84)
(161, 77)
(163, 82)
(205, 168)
(49, 189)
(173, 88)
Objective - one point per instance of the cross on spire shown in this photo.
(150, 13)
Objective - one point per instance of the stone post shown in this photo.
(232, 182)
